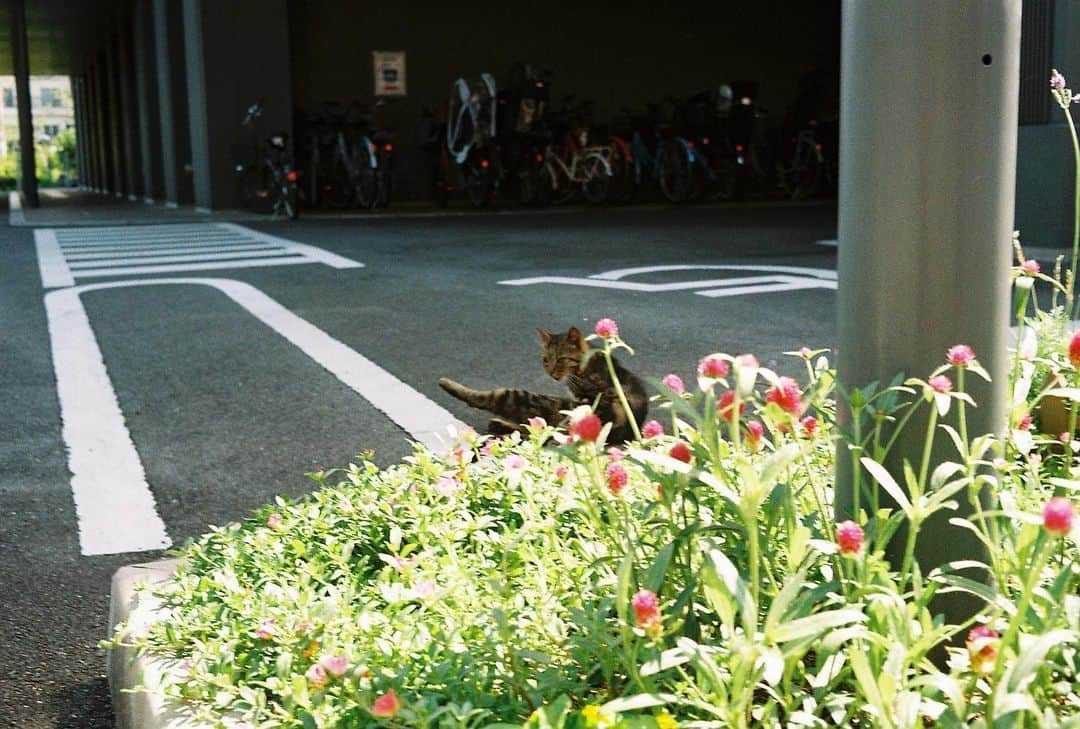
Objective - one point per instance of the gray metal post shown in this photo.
(929, 94)
(21, 56)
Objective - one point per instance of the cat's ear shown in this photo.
(574, 336)
(545, 336)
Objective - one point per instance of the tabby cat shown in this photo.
(590, 384)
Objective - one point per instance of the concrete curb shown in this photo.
(140, 709)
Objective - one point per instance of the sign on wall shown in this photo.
(389, 73)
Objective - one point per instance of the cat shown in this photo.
(589, 384)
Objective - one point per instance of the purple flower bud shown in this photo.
(1057, 81)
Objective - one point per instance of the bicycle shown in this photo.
(470, 137)
(268, 184)
(576, 165)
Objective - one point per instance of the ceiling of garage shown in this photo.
(60, 32)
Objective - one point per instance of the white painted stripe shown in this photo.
(797, 270)
(115, 238)
(829, 243)
(54, 270)
(179, 240)
(16, 216)
(317, 254)
(109, 252)
(209, 266)
(792, 285)
(236, 257)
(425, 421)
(113, 504)
(645, 287)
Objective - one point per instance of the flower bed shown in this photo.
(695, 577)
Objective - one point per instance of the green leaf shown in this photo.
(668, 659)
(816, 624)
(1031, 659)
(307, 720)
(793, 585)
(638, 701)
(626, 574)
(860, 666)
(885, 479)
(776, 463)
(654, 578)
(723, 577)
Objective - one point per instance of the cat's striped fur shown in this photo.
(562, 355)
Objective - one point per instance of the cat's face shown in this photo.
(561, 352)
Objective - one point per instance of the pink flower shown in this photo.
(1057, 81)
(1030, 267)
(385, 706)
(712, 366)
(587, 427)
(1074, 350)
(960, 355)
(447, 487)
(515, 463)
(614, 454)
(754, 431)
(652, 429)
(335, 665)
(673, 383)
(274, 521)
(681, 452)
(809, 425)
(401, 564)
(423, 589)
(1058, 516)
(607, 328)
(726, 406)
(1025, 422)
(785, 393)
(561, 471)
(316, 674)
(849, 537)
(941, 384)
(616, 478)
(537, 423)
(646, 608)
(1065, 437)
(265, 631)
(982, 645)
(805, 352)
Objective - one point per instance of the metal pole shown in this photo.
(21, 57)
(929, 94)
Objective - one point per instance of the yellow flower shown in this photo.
(665, 720)
(596, 718)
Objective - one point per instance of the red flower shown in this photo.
(809, 425)
(754, 431)
(1074, 350)
(960, 355)
(1025, 422)
(646, 608)
(941, 384)
(785, 393)
(587, 427)
(607, 328)
(849, 536)
(712, 366)
(681, 452)
(386, 705)
(726, 406)
(616, 478)
(982, 645)
(652, 429)
(674, 383)
(1058, 516)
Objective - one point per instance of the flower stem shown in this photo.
(627, 412)
(1076, 210)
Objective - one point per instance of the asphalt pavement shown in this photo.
(226, 409)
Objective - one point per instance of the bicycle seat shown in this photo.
(278, 141)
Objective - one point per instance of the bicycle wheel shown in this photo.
(383, 186)
(803, 176)
(563, 189)
(256, 189)
(597, 179)
(477, 184)
(622, 188)
(366, 181)
(726, 171)
(674, 172)
(338, 190)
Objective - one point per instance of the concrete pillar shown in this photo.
(102, 125)
(20, 52)
(146, 91)
(115, 114)
(925, 223)
(171, 75)
(82, 129)
(129, 107)
(237, 53)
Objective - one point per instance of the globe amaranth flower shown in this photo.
(1074, 350)
(615, 454)
(616, 478)
(537, 423)
(1025, 422)
(316, 674)
(386, 706)
(646, 607)
(1057, 81)
(652, 429)
(941, 384)
(274, 521)
(726, 406)
(785, 393)
(1058, 515)
(713, 366)
(982, 645)
(681, 452)
(335, 665)
(587, 427)
(561, 472)
(960, 355)
(674, 383)
(1030, 267)
(849, 537)
(607, 328)
(754, 432)
(809, 425)
(266, 629)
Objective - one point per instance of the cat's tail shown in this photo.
(514, 405)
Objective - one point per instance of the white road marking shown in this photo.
(115, 509)
(152, 249)
(114, 505)
(16, 216)
(782, 278)
(51, 263)
(829, 243)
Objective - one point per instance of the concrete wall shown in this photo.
(618, 54)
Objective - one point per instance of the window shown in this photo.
(51, 130)
(51, 97)
(9, 98)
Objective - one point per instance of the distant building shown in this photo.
(52, 105)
